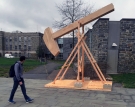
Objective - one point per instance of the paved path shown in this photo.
(42, 71)
(51, 97)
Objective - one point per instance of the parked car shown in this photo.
(9, 56)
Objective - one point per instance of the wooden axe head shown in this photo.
(50, 42)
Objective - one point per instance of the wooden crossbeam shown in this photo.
(92, 60)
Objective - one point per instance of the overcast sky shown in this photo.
(36, 15)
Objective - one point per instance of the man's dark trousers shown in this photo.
(15, 86)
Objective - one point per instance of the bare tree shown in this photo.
(71, 11)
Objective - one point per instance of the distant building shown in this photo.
(20, 43)
(60, 44)
(68, 46)
(1, 43)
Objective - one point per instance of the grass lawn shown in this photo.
(126, 79)
(5, 64)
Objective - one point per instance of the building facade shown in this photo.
(60, 44)
(113, 44)
(68, 46)
(19, 43)
(1, 43)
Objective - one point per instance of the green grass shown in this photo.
(126, 79)
(6, 63)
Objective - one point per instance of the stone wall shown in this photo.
(126, 45)
(126, 61)
(99, 46)
(88, 42)
(100, 33)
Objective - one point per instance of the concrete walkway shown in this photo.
(50, 97)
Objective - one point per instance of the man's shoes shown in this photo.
(29, 100)
(13, 102)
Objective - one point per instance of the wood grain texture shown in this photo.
(87, 85)
(50, 42)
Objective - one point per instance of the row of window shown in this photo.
(19, 47)
(10, 39)
(19, 43)
(60, 56)
(61, 45)
(19, 54)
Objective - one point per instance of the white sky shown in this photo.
(36, 15)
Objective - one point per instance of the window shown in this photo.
(15, 47)
(6, 39)
(60, 56)
(29, 48)
(19, 54)
(29, 38)
(25, 38)
(60, 45)
(61, 50)
(6, 47)
(29, 43)
(10, 39)
(25, 47)
(15, 54)
(10, 47)
(19, 46)
(15, 39)
(20, 39)
(71, 46)
(60, 41)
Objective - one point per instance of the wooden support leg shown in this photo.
(68, 66)
(92, 64)
(78, 76)
(68, 59)
(82, 59)
(72, 53)
(88, 55)
(94, 61)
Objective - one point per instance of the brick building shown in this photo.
(1, 43)
(20, 43)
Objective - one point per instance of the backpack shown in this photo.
(12, 71)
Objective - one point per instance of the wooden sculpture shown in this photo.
(49, 39)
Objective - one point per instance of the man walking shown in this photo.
(18, 80)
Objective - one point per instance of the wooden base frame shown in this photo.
(86, 85)
(102, 84)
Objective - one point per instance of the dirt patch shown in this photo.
(70, 74)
